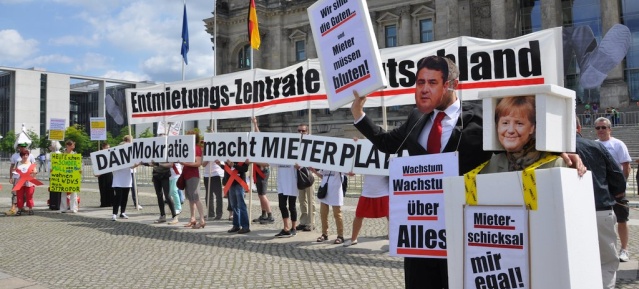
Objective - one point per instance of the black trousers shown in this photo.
(425, 273)
(121, 198)
(283, 200)
(214, 194)
(162, 192)
(107, 194)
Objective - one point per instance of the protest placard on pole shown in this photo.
(98, 128)
(346, 48)
(57, 127)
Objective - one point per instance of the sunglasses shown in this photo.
(600, 127)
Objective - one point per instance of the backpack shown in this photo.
(305, 178)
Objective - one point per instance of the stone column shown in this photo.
(405, 28)
(446, 16)
(614, 90)
(551, 15)
(503, 16)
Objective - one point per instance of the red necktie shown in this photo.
(435, 136)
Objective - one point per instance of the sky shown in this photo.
(132, 40)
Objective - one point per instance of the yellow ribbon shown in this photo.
(470, 182)
(529, 181)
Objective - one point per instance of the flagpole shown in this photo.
(184, 2)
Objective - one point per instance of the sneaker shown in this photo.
(174, 221)
(75, 211)
(349, 243)
(283, 234)
(114, 217)
(300, 227)
(268, 220)
(624, 256)
(260, 219)
(244, 231)
(178, 212)
(123, 216)
(139, 207)
(10, 213)
(162, 219)
(293, 232)
(234, 229)
(308, 228)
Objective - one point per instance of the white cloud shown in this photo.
(75, 40)
(15, 48)
(125, 75)
(92, 61)
(44, 60)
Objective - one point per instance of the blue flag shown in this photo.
(185, 37)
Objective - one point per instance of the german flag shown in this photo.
(253, 30)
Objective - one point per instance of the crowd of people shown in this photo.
(439, 123)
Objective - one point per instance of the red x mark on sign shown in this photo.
(25, 177)
(234, 176)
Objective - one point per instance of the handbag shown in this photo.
(323, 190)
(181, 182)
(305, 178)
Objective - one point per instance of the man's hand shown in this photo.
(357, 107)
(574, 161)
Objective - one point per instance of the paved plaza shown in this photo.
(88, 250)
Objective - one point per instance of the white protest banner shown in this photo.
(416, 222)
(112, 159)
(346, 48)
(149, 150)
(331, 153)
(98, 128)
(484, 64)
(326, 153)
(496, 247)
(57, 126)
(226, 146)
(180, 148)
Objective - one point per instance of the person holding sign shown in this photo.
(15, 158)
(335, 198)
(460, 129)
(191, 173)
(515, 126)
(235, 185)
(72, 206)
(24, 169)
(373, 203)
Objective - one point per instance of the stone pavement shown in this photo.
(88, 250)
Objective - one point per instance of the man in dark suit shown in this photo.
(461, 131)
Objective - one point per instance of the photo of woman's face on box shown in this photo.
(515, 122)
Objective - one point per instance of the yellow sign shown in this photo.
(66, 173)
(98, 124)
(56, 134)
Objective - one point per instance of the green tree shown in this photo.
(82, 140)
(146, 133)
(35, 139)
(6, 144)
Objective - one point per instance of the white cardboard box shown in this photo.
(564, 250)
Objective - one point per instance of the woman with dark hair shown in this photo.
(191, 173)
